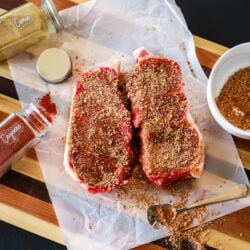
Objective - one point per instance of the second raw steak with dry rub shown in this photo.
(98, 151)
(171, 145)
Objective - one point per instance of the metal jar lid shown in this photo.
(50, 7)
(54, 65)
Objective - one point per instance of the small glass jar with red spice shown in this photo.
(18, 132)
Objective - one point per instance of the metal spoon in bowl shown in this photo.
(170, 212)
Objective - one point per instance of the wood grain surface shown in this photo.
(24, 199)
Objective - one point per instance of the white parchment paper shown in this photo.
(96, 33)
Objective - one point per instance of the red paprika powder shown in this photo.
(47, 107)
(18, 132)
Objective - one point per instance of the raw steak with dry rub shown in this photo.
(171, 145)
(98, 151)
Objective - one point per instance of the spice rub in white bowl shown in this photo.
(228, 91)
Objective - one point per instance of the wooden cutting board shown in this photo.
(24, 200)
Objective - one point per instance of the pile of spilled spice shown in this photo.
(234, 99)
(182, 230)
(178, 234)
(47, 107)
(178, 228)
(131, 194)
(164, 215)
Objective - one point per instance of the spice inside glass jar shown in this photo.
(27, 25)
(18, 132)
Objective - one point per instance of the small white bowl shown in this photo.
(234, 59)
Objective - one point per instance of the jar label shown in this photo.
(21, 21)
(11, 134)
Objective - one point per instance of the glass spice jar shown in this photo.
(27, 25)
(18, 132)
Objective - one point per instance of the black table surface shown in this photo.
(224, 22)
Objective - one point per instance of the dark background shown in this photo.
(226, 22)
(222, 21)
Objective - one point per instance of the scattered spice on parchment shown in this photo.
(178, 232)
(133, 194)
(234, 99)
(47, 107)
(153, 28)
(178, 229)
(78, 68)
(191, 69)
(180, 236)
(176, 190)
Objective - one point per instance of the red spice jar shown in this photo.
(18, 132)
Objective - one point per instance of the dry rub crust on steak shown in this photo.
(98, 152)
(172, 147)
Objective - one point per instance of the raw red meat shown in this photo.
(98, 151)
(171, 145)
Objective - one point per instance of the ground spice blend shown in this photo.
(19, 132)
(27, 25)
(47, 107)
(234, 99)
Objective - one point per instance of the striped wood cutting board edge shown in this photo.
(24, 201)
